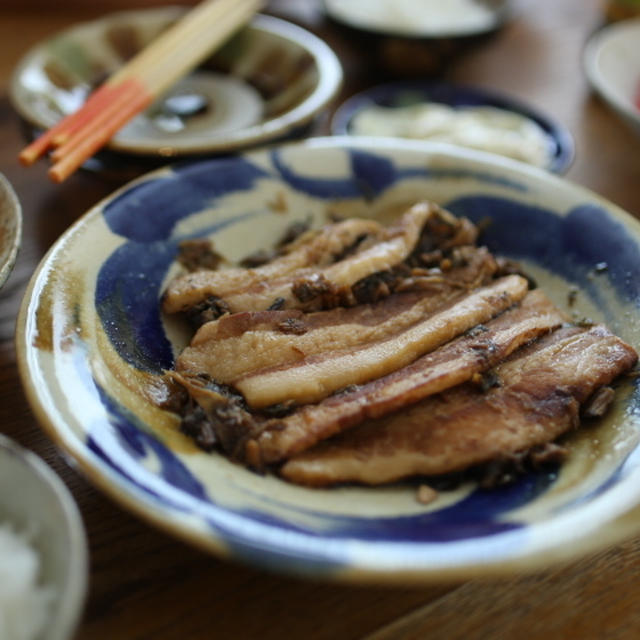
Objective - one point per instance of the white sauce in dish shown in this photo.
(425, 17)
(483, 128)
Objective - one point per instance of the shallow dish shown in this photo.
(402, 94)
(44, 511)
(10, 228)
(92, 345)
(612, 64)
(269, 80)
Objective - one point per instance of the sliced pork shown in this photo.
(241, 343)
(320, 268)
(359, 353)
(312, 248)
(317, 376)
(260, 440)
(450, 365)
(537, 398)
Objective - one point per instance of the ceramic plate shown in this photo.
(93, 345)
(612, 64)
(10, 228)
(269, 80)
(402, 94)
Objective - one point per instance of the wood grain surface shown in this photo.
(144, 584)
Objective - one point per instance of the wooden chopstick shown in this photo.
(127, 90)
(88, 145)
(96, 101)
(137, 84)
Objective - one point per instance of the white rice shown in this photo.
(24, 602)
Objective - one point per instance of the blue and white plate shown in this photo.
(93, 344)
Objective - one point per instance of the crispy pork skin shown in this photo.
(538, 397)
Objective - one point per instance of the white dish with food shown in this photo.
(426, 19)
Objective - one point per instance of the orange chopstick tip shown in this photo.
(34, 150)
(132, 88)
(27, 157)
(57, 174)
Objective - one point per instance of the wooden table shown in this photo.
(144, 584)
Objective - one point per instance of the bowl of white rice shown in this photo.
(43, 550)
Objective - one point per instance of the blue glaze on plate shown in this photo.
(370, 176)
(410, 92)
(121, 441)
(189, 188)
(573, 244)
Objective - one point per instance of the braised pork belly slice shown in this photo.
(317, 376)
(258, 439)
(473, 353)
(320, 268)
(538, 398)
(313, 248)
(246, 342)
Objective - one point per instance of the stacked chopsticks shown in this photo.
(136, 85)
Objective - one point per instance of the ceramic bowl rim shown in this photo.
(16, 213)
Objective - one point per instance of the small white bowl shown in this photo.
(612, 64)
(44, 510)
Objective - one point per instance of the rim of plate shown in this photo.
(564, 537)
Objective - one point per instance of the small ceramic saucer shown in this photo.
(268, 80)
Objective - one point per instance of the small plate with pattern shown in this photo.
(268, 81)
